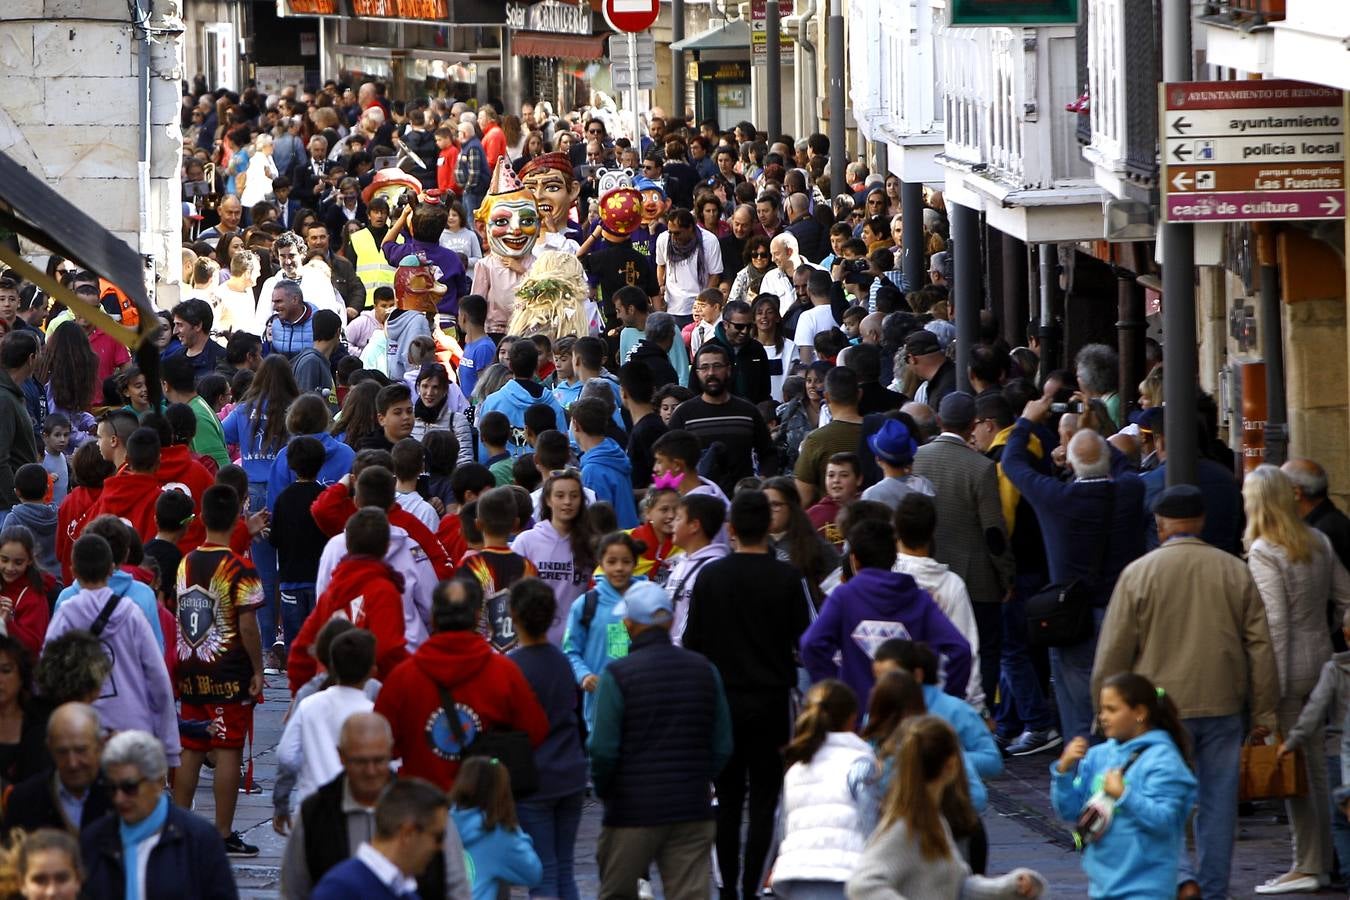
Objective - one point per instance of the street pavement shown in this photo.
(1022, 828)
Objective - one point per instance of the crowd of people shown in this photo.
(525, 463)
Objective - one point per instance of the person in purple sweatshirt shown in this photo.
(137, 695)
(874, 606)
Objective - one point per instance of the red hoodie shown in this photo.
(335, 506)
(23, 609)
(70, 519)
(451, 536)
(489, 690)
(367, 593)
(176, 466)
(130, 496)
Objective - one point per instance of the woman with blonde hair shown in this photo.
(1296, 572)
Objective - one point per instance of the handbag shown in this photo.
(1265, 775)
(510, 748)
(1060, 615)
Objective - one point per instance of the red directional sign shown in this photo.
(1250, 151)
(631, 15)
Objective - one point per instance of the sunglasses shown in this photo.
(126, 787)
(759, 256)
(739, 326)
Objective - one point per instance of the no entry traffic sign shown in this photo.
(1250, 151)
(631, 15)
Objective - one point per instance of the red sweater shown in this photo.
(23, 608)
(130, 496)
(451, 535)
(445, 169)
(176, 466)
(367, 593)
(70, 520)
(489, 691)
(334, 507)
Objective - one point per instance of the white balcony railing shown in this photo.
(1123, 71)
(1106, 46)
(1003, 93)
(891, 58)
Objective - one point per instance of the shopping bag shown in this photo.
(1265, 775)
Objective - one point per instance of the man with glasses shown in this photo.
(340, 816)
(750, 377)
(594, 131)
(717, 417)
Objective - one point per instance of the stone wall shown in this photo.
(70, 112)
(1316, 376)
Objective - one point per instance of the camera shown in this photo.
(1073, 406)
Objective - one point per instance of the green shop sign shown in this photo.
(1014, 12)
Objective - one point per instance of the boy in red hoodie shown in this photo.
(364, 591)
(131, 495)
(177, 466)
(488, 690)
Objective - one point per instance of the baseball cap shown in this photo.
(921, 343)
(645, 603)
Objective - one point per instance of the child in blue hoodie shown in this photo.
(605, 467)
(596, 637)
(497, 852)
(1139, 781)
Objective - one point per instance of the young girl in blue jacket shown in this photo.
(595, 636)
(497, 853)
(1141, 778)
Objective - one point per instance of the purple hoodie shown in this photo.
(137, 694)
(551, 554)
(871, 607)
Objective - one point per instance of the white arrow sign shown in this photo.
(1182, 182)
(1330, 205)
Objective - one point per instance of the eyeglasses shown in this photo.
(126, 787)
(759, 255)
(712, 367)
(739, 326)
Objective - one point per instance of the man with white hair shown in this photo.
(1093, 528)
(778, 281)
(812, 240)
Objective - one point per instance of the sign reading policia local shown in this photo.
(1252, 151)
(1014, 12)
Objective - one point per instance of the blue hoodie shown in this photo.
(239, 430)
(512, 399)
(1137, 856)
(496, 857)
(137, 592)
(590, 650)
(870, 608)
(982, 755)
(606, 469)
(39, 518)
(337, 461)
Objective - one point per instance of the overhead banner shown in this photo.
(1014, 12)
(307, 8)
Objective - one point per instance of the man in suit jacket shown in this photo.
(73, 794)
(346, 206)
(308, 174)
(971, 536)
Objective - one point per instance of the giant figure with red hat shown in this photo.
(550, 178)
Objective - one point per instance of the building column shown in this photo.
(1130, 329)
(965, 248)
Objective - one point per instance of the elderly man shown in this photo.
(289, 251)
(779, 280)
(1190, 618)
(340, 816)
(936, 371)
(733, 245)
(653, 350)
(657, 804)
(1316, 508)
(174, 852)
(1093, 528)
(72, 795)
(812, 239)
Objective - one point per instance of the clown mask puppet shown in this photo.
(508, 215)
(654, 202)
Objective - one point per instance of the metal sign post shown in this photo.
(633, 90)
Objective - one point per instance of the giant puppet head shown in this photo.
(620, 204)
(390, 184)
(654, 202)
(415, 284)
(508, 214)
(549, 177)
(551, 299)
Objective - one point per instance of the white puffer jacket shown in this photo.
(822, 822)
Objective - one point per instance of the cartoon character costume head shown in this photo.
(415, 285)
(551, 299)
(508, 214)
(654, 202)
(390, 184)
(620, 204)
(549, 177)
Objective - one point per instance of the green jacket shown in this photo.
(210, 439)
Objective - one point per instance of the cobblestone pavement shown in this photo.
(1021, 826)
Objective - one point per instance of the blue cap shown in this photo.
(893, 443)
(646, 603)
(647, 184)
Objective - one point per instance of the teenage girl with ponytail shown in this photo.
(912, 853)
(1130, 795)
(830, 770)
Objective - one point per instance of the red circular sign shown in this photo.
(631, 15)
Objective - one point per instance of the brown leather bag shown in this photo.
(1265, 775)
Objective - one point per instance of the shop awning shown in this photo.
(733, 35)
(558, 46)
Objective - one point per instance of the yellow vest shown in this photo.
(371, 266)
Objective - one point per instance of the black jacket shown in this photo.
(32, 804)
(306, 186)
(345, 282)
(18, 442)
(812, 241)
(657, 362)
(188, 861)
(750, 378)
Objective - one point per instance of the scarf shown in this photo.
(680, 252)
(430, 414)
(132, 837)
(754, 278)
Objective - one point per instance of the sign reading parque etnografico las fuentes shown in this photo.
(1251, 151)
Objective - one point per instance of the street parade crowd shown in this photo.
(534, 460)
